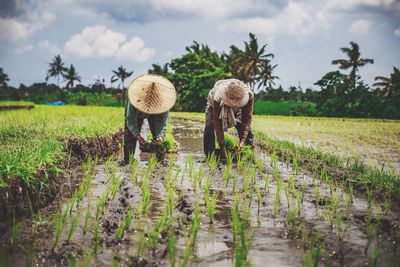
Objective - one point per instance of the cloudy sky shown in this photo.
(97, 36)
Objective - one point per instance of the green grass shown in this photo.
(279, 108)
(31, 140)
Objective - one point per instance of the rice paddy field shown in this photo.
(316, 192)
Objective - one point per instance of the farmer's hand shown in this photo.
(242, 143)
(159, 139)
(140, 139)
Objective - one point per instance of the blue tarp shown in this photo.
(56, 103)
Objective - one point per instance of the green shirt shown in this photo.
(157, 123)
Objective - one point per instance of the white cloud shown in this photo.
(14, 29)
(295, 19)
(52, 48)
(23, 49)
(397, 32)
(135, 50)
(99, 41)
(360, 26)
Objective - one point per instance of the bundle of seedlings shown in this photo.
(236, 152)
(168, 145)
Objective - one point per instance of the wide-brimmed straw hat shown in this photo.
(233, 93)
(152, 94)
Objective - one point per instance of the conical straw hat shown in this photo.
(233, 93)
(152, 94)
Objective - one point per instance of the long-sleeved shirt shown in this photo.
(243, 115)
(157, 123)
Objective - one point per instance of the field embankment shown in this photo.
(11, 105)
(284, 108)
(37, 145)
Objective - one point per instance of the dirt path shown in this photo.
(279, 221)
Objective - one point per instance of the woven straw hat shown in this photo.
(152, 94)
(233, 93)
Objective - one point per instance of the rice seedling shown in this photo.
(72, 261)
(96, 237)
(259, 200)
(133, 164)
(192, 235)
(211, 202)
(241, 239)
(316, 195)
(276, 204)
(72, 228)
(303, 191)
(266, 180)
(116, 261)
(387, 205)
(171, 248)
(291, 219)
(339, 223)
(376, 253)
(273, 159)
(86, 221)
(252, 174)
(369, 198)
(212, 163)
(287, 194)
(15, 231)
(190, 163)
(59, 223)
(226, 176)
(347, 203)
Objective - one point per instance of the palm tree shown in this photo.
(71, 76)
(247, 65)
(158, 69)
(3, 78)
(353, 62)
(388, 86)
(56, 69)
(120, 74)
(266, 78)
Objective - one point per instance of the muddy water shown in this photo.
(273, 241)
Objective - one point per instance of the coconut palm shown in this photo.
(247, 65)
(120, 74)
(353, 62)
(56, 69)
(158, 69)
(266, 78)
(388, 86)
(3, 78)
(70, 75)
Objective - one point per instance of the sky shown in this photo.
(97, 36)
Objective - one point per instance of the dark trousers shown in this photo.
(209, 135)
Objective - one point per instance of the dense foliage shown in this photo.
(338, 94)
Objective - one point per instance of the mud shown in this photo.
(275, 239)
(14, 107)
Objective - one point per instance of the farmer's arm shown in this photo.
(161, 125)
(218, 124)
(131, 120)
(247, 115)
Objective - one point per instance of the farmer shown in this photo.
(230, 104)
(150, 97)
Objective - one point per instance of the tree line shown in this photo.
(339, 93)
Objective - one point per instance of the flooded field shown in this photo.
(193, 211)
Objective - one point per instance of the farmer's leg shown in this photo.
(130, 142)
(209, 135)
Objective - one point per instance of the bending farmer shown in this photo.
(150, 97)
(230, 104)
